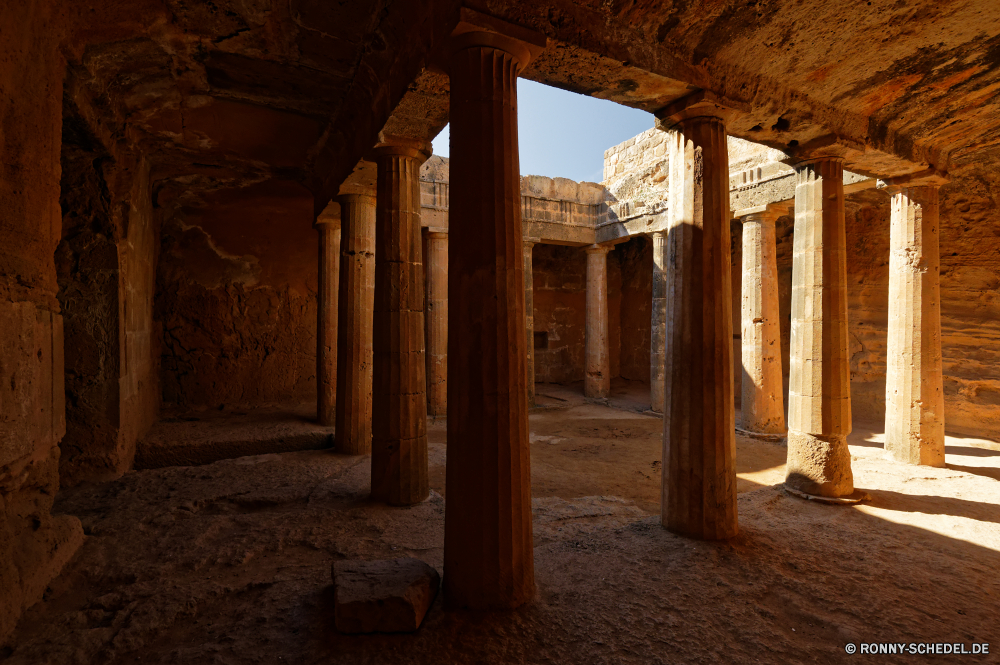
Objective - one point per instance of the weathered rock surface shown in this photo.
(386, 596)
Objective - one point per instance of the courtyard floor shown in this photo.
(229, 562)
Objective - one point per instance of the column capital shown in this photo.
(437, 235)
(362, 180)
(329, 218)
(530, 242)
(598, 249)
(758, 214)
(477, 29)
(394, 145)
(927, 178)
(698, 104)
(658, 234)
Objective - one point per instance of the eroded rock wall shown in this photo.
(106, 270)
(236, 297)
(34, 544)
(970, 299)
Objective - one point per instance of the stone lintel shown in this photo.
(478, 29)
(698, 104)
(822, 147)
(927, 178)
(392, 144)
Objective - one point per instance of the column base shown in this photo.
(819, 465)
(770, 437)
(856, 497)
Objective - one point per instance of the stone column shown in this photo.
(597, 359)
(914, 388)
(354, 323)
(819, 392)
(658, 324)
(399, 397)
(488, 552)
(328, 226)
(437, 323)
(529, 316)
(699, 437)
(763, 403)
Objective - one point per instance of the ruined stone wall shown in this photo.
(635, 175)
(34, 544)
(560, 295)
(236, 298)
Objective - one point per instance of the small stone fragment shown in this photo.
(385, 596)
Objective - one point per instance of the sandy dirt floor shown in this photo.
(229, 562)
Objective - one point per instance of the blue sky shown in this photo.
(563, 134)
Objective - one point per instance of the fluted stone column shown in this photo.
(914, 390)
(488, 553)
(763, 403)
(699, 438)
(529, 316)
(597, 373)
(353, 433)
(437, 323)
(328, 226)
(819, 393)
(399, 398)
(658, 324)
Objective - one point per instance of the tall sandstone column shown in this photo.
(328, 226)
(488, 552)
(597, 373)
(529, 315)
(437, 323)
(914, 388)
(699, 438)
(762, 404)
(658, 324)
(399, 398)
(819, 393)
(354, 323)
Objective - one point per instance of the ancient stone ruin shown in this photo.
(277, 384)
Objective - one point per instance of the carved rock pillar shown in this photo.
(658, 324)
(399, 407)
(597, 373)
(437, 323)
(354, 323)
(819, 393)
(699, 437)
(488, 552)
(529, 315)
(328, 226)
(914, 387)
(762, 404)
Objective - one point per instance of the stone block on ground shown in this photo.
(385, 596)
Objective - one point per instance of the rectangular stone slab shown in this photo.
(384, 596)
